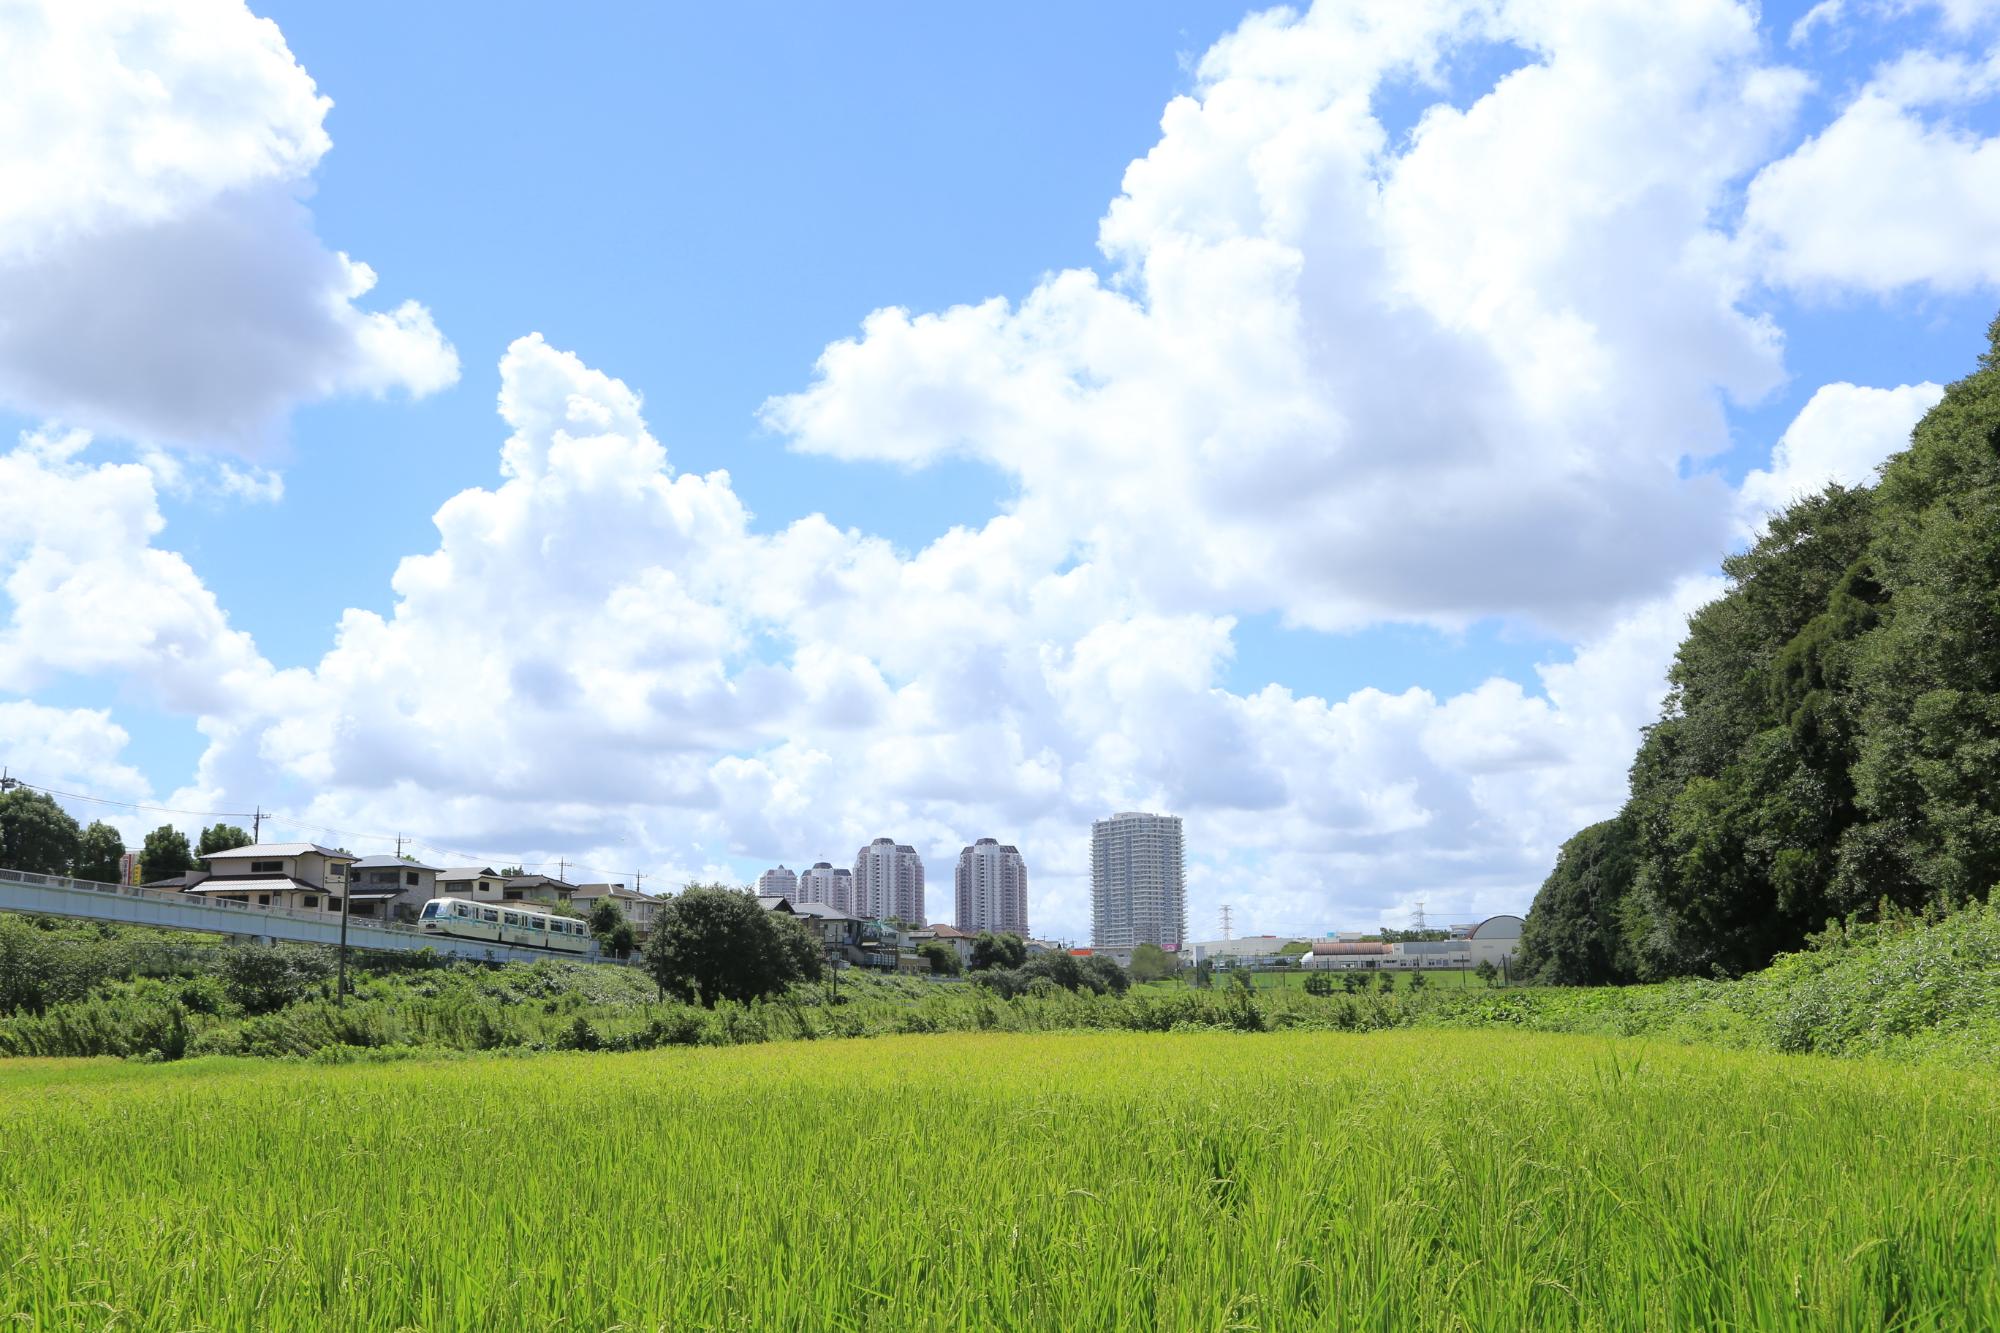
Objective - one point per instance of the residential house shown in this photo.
(303, 876)
(839, 932)
(641, 909)
(479, 884)
(398, 887)
(961, 941)
(525, 888)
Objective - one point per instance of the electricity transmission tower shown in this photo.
(1226, 921)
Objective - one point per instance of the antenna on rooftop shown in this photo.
(1226, 921)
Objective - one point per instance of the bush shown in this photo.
(262, 980)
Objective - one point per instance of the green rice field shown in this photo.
(1476, 1180)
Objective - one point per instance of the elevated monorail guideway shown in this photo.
(127, 904)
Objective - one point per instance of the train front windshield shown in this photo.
(430, 909)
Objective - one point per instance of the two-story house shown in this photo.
(479, 884)
(303, 876)
(641, 909)
(391, 886)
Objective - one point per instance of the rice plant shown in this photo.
(1285, 1180)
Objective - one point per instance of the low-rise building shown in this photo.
(1493, 940)
(392, 886)
(960, 941)
(837, 930)
(303, 876)
(479, 884)
(641, 909)
(1244, 951)
(535, 888)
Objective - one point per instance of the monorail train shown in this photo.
(504, 923)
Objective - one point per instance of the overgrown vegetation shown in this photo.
(1907, 987)
(1831, 739)
(1910, 987)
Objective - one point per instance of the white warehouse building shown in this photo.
(1493, 940)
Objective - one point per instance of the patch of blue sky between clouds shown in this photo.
(1390, 658)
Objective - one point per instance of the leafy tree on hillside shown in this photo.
(98, 853)
(1150, 963)
(221, 838)
(942, 957)
(1104, 976)
(605, 915)
(165, 853)
(1002, 950)
(1574, 936)
(1831, 735)
(36, 834)
(714, 943)
(621, 941)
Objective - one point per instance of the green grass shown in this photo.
(1474, 1180)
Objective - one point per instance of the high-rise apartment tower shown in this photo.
(1138, 882)
(889, 882)
(824, 884)
(778, 882)
(992, 888)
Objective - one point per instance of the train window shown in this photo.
(430, 911)
(512, 918)
(489, 915)
(460, 909)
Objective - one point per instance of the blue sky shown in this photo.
(698, 202)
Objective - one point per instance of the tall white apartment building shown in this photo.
(889, 882)
(992, 888)
(1138, 882)
(824, 884)
(777, 882)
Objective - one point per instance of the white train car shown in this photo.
(504, 923)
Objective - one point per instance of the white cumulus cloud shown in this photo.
(160, 278)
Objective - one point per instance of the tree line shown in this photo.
(1830, 741)
(39, 836)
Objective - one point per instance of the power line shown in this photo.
(132, 805)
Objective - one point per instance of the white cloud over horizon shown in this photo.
(1475, 374)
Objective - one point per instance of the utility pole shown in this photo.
(638, 881)
(346, 901)
(256, 824)
(562, 869)
(399, 846)
(7, 783)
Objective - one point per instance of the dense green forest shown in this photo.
(1830, 742)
